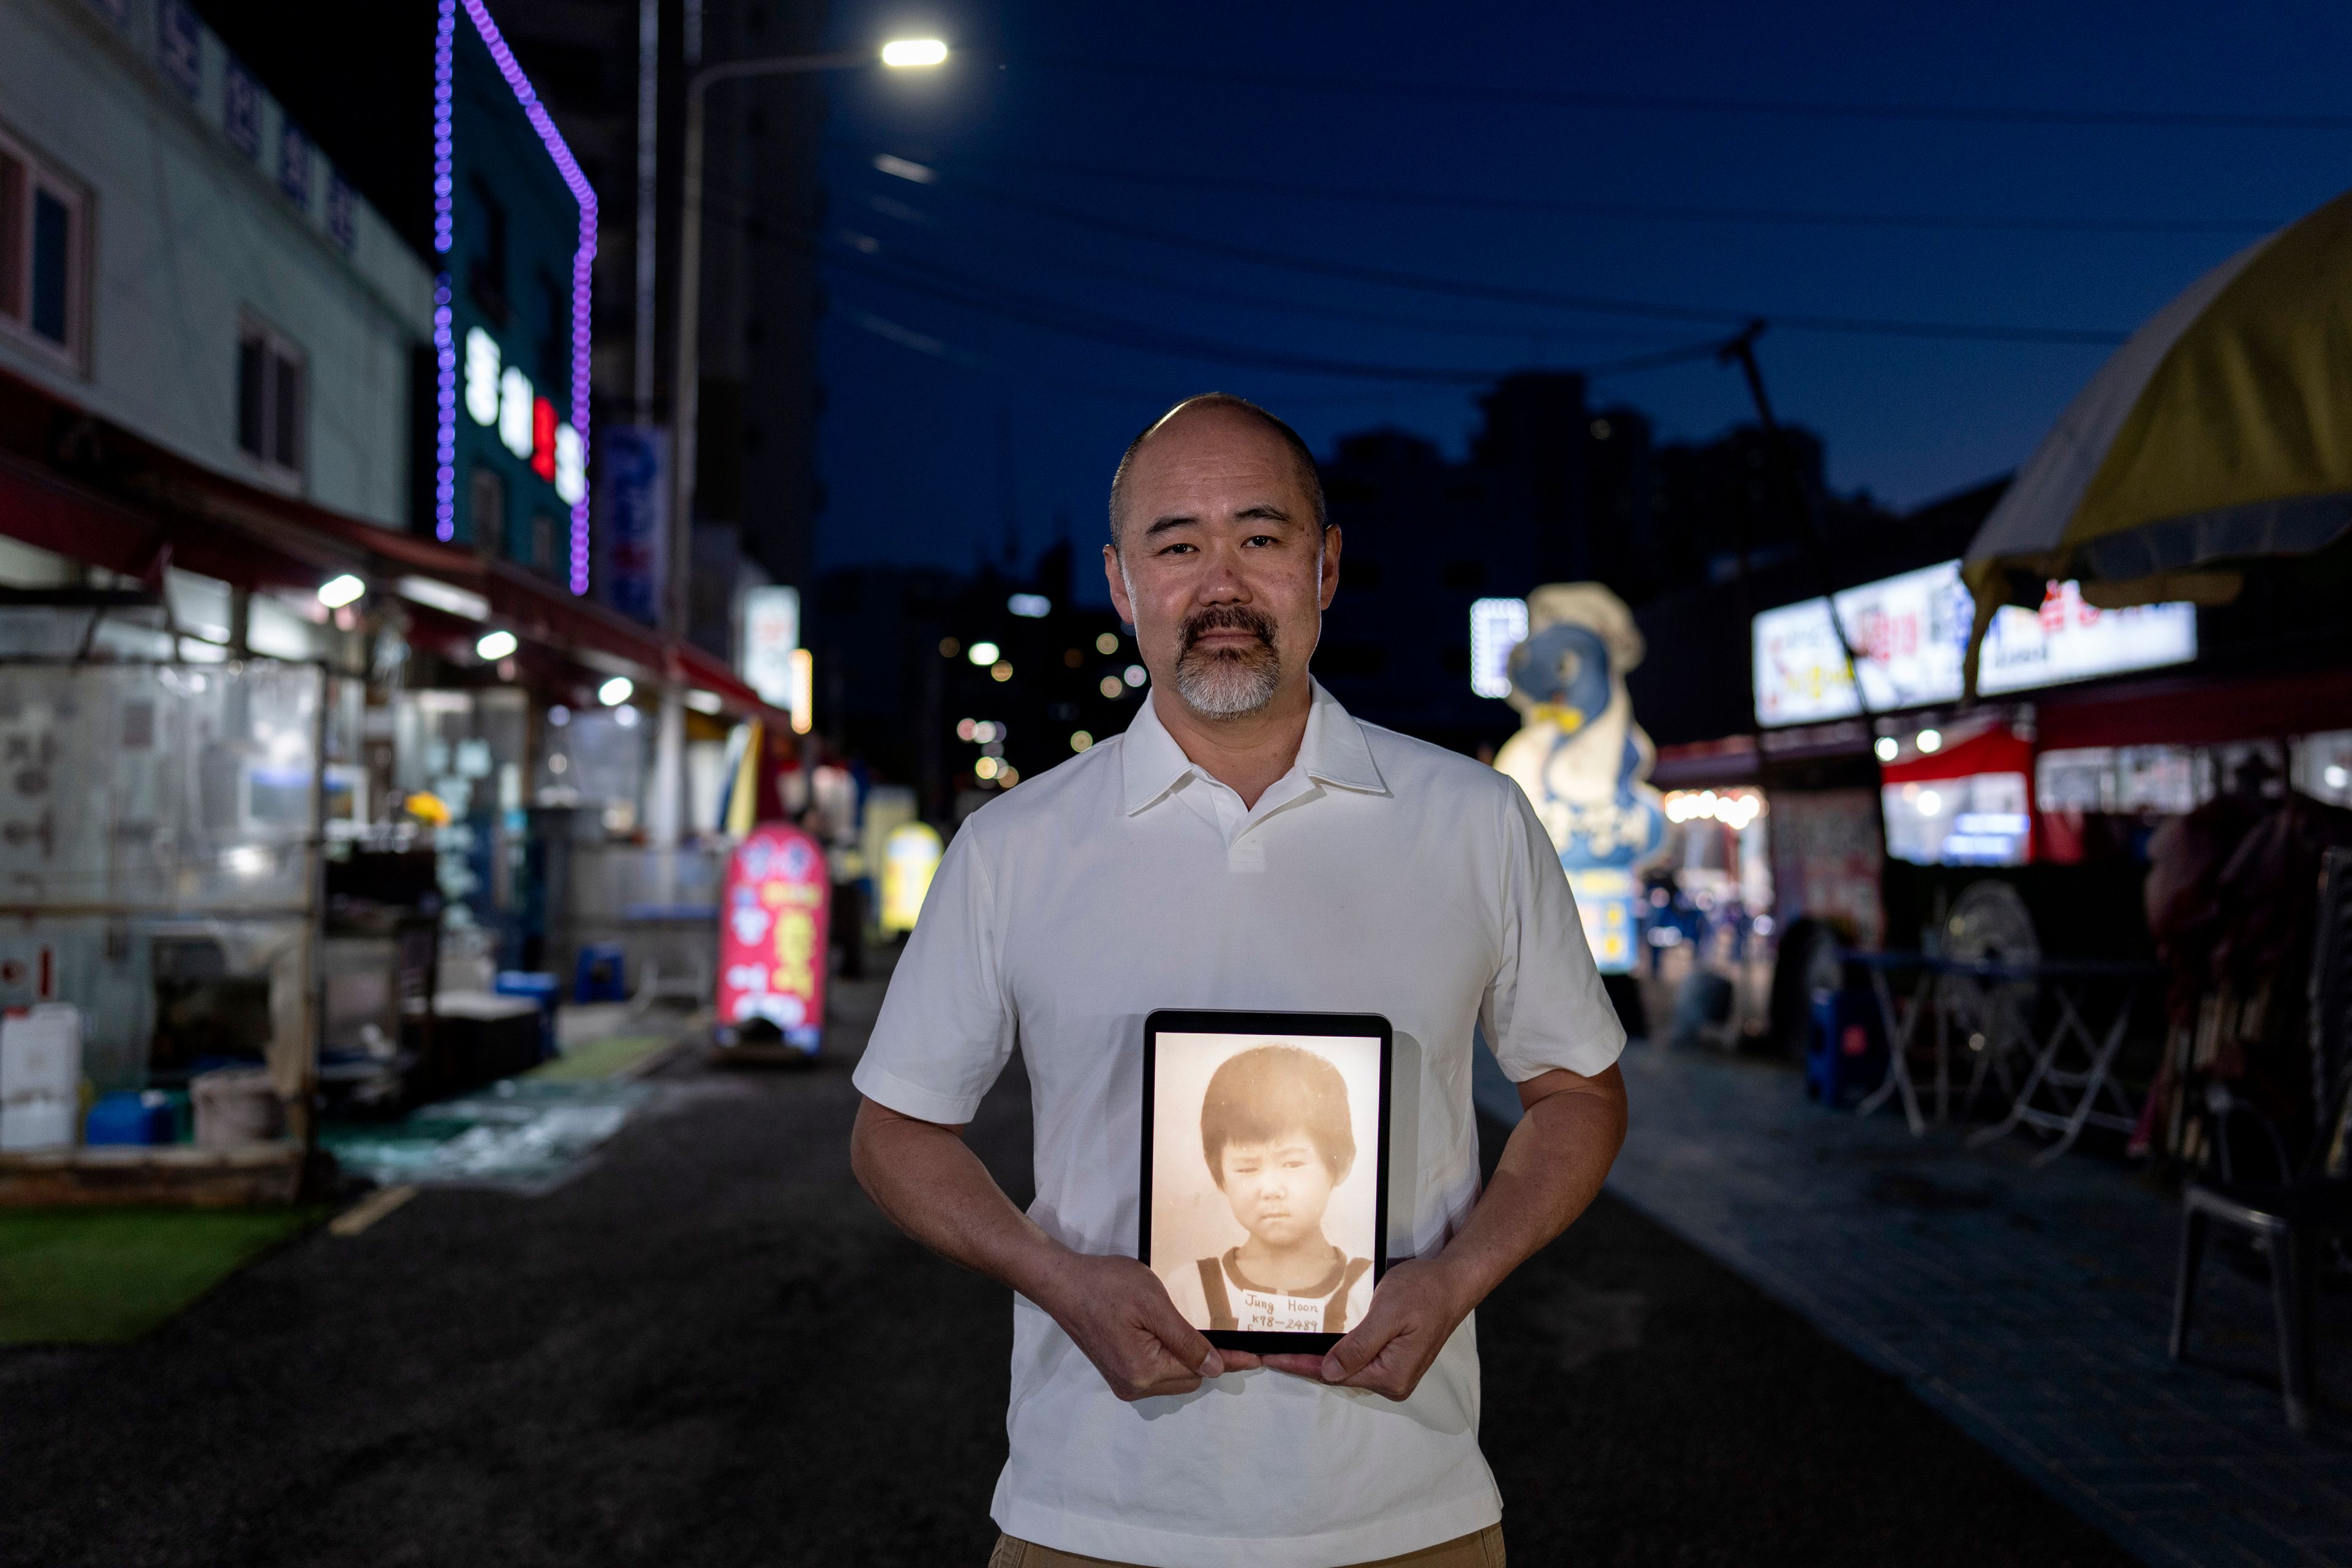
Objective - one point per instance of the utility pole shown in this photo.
(1742, 349)
(648, 211)
(669, 791)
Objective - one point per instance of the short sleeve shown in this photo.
(1545, 1007)
(946, 1028)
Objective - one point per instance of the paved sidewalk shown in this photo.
(2028, 1307)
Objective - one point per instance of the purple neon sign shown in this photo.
(584, 261)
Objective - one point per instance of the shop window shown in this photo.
(43, 221)
(269, 395)
(1977, 820)
(486, 507)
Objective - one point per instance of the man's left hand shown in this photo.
(1414, 1312)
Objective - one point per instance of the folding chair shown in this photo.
(2300, 1212)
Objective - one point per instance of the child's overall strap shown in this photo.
(1335, 1310)
(1212, 1285)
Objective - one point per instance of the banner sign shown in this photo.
(631, 544)
(2067, 639)
(771, 635)
(911, 858)
(1909, 635)
(772, 929)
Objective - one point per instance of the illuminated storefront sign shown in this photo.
(1968, 802)
(1910, 635)
(502, 396)
(496, 394)
(1496, 627)
(1978, 820)
(771, 935)
(2067, 639)
(771, 632)
(911, 858)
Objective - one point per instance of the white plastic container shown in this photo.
(234, 1107)
(40, 1078)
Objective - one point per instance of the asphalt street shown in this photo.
(707, 1347)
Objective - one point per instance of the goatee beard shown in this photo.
(1228, 682)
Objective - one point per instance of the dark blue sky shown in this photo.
(942, 334)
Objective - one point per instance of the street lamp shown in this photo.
(897, 54)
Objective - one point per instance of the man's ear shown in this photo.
(1330, 568)
(1118, 581)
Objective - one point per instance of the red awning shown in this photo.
(1996, 749)
(2191, 711)
(154, 507)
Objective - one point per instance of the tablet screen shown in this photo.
(1266, 1178)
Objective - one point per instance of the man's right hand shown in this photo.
(1118, 1311)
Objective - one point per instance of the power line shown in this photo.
(724, 197)
(924, 344)
(1194, 289)
(1684, 103)
(1638, 211)
(917, 278)
(1599, 304)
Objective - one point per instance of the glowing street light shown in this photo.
(983, 654)
(337, 592)
(496, 646)
(615, 692)
(897, 54)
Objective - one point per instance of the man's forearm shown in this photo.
(935, 1189)
(1551, 1170)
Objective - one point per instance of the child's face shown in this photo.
(1279, 1189)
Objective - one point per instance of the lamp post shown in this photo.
(669, 784)
(899, 54)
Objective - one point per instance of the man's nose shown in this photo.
(1222, 583)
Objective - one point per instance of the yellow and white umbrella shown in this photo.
(2221, 432)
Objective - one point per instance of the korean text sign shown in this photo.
(771, 938)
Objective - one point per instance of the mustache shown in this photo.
(1228, 618)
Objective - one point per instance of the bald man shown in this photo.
(1245, 844)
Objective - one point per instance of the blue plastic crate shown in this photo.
(131, 1116)
(601, 973)
(1846, 1051)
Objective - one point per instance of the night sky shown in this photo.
(1124, 205)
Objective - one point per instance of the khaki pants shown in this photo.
(1483, 1550)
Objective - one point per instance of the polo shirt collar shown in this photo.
(1333, 751)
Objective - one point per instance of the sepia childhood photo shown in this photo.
(1265, 1179)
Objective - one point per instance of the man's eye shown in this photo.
(1177, 549)
(1261, 538)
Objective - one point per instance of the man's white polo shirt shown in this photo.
(1380, 875)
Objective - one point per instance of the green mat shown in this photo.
(598, 1058)
(94, 1275)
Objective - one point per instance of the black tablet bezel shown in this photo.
(1196, 1021)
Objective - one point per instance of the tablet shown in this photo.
(1266, 1162)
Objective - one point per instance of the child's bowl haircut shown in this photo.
(1265, 1091)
